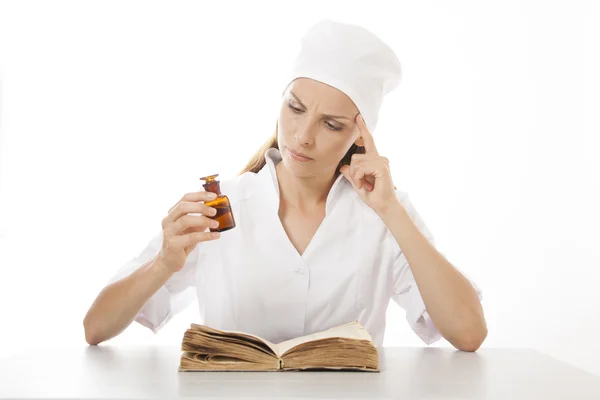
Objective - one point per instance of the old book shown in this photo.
(345, 347)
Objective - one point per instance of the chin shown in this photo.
(301, 170)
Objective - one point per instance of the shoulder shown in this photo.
(371, 218)
(240, 188)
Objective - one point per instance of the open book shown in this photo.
(345, 347)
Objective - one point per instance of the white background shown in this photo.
(111, 111)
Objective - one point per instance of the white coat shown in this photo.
(252, 278)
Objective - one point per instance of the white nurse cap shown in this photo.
(351, 59)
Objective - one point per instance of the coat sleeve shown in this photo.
(405, 290)
(174, 296)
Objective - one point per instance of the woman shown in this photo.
(322, 238)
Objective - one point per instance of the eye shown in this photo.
(332, 127)
(294, 109)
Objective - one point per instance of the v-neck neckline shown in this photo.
(312, 239)
(268, 172)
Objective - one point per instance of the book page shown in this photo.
(234, 333)
(192, 361)
(352, 330)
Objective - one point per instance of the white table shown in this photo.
(113, 372)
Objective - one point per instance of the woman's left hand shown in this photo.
(370, 174)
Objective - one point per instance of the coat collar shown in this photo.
(269, 185)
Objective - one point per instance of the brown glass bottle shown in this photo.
(221, 204)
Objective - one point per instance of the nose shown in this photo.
(305, 134)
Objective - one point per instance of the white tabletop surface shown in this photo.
(116, 372)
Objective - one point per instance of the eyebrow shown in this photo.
(325, 115)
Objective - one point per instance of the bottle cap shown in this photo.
(211, 185)
(209, 178)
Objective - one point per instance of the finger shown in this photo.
(195, 197)
(358, 175)
(187, 207)
(345, 170)
(368, 182)
(358, 158)
(192, 239)
(198, 196)
(354, 166)
(358, 185)
(368, 141)
(364, 175)
(198, 223)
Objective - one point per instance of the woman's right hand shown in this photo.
(182, 231)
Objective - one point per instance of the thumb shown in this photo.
(345, 170)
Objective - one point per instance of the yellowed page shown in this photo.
(205, 328)
(192, 361)
(352, 330)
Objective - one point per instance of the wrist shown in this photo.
(160, 268)
(392, 211)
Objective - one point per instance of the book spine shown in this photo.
(280, 363)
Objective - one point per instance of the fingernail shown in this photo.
(212, 195)
(214, 224)
(213, 211)
(216, 234)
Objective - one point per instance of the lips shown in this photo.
(299, 156)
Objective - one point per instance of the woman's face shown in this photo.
(317, 121)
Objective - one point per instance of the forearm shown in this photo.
(449, 297)
(117, 304)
